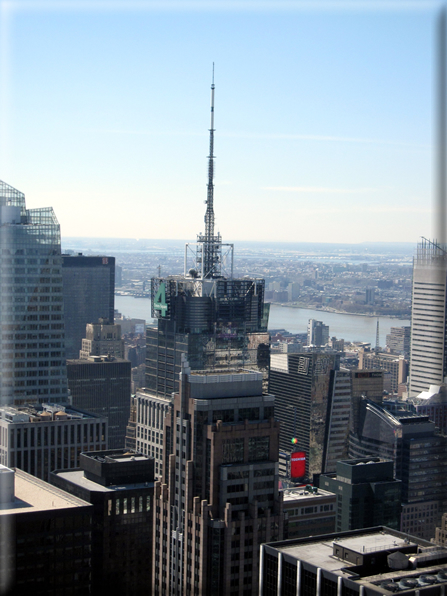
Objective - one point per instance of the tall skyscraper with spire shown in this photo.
(214, 320)
(207, 314)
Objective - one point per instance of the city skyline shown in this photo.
(327, 115)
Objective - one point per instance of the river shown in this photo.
(342, 326)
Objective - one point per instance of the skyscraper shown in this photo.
(219, 498)
(428, 360)
(89, 295)
(32, 354)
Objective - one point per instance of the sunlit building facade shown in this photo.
(32, 348)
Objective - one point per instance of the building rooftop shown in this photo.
(319, 551)
(42, 413)
(32, 494)
(300, 494)
(77, 477)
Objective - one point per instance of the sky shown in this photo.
(324, 117)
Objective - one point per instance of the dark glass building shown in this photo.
(32, 341)
(89, 295)
(101, 385)
(302, 390)
(419, 455)
(367, 494)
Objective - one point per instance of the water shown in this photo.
(347, 327)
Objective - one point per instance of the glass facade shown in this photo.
(32, 354)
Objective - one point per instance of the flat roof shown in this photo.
(77, 477)
(319, 552)
(33, 494)
(299, 494)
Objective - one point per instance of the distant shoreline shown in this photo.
(342, 312)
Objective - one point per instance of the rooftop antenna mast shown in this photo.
(211, 242)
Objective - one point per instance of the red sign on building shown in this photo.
(298, 464)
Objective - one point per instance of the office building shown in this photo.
(32, 349)
(45, 538)
(317, 333)
(419, 455)
(219, 498)
(149, 412)
(120, 487)
(397, 366)
(338, 418)
(101, 385)
(308, 511)
(375, 562)
(367, 494)
(398, 341)
(89, 295)
(428, 317)
(42, 438)
(301, 386)
(102, 339)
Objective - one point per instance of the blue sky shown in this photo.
(324, 117)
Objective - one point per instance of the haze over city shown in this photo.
(324, 117)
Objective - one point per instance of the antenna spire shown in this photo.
(210, 256)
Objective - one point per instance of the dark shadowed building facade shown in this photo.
(89, 295)
(120, 487)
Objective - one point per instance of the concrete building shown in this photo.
(219, 497)
(120, 487)
(101, 385)
(102, 339)
(41, 438)
(397, 366)
(32, 342)
(89, 295)
(149, 414)
(308, 511)
(398, 341)
(376, 562)
(45, 538)
(428, 317)
(317, 333)
(367, 494)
